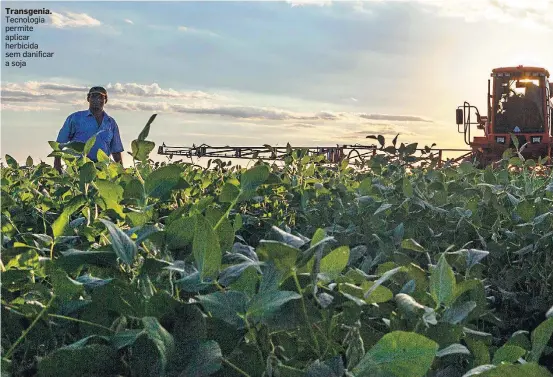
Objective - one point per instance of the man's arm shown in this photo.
(57, 164)
(116, 146)
(118, 157)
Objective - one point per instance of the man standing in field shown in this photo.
(82, 125)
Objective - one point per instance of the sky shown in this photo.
(308, 73)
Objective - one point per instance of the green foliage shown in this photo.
(380, 269)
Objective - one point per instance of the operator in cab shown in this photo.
(82, 125)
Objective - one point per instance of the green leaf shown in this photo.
(355, 349)
(134, 189)
(383, 207)
(227, 306)
(442, 282)
(330, 368)
(399, 353)
(319, 235)
(12, 163)
(89, 144)
(264, 305)
(334, 263)
(64, 287)
(385, 276)
(110, 194)
(540, 338)
(73, 259)
(411, 244)
(87, 173)
(161, 338)
(206, 249)
(253, 178)
(473, 256)
(161, 181)
(508, 354)
(141, 149)
(122, 244)
(146, 130)
(453, 349)
(458, 312)
(408, 304)
(520, 339)
(60, 224)
(356, 294)
(206, 360)
(526, 211)
(287, 238)
(282, 255)
(225, 231)
(407, 187)
(93, 359)
(180, 233)
(229, 193)
(516, 370)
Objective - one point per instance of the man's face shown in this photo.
(97, 101)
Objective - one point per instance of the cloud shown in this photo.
(72, 20)
(128, 21)
(154, 90)
(191, 30)
(35, 88)
(239, 112)
(302, 125)
(11, 107)
(154, 98)
(394, 118)
(535, 13)
(299, 3)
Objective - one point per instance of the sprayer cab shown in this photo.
(518, 106)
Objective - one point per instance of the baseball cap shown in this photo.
(98, 89)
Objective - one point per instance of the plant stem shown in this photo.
(261, 359)
(227, 212)
(304, 308)
(12, 348)
(226, 361)
(80, 321)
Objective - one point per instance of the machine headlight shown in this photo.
(536, 139)
(500, 139)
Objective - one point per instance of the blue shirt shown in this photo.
(81, 126)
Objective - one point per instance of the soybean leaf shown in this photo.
(452, 350)
(253, 178)
(508, 354)
(227, 306)
(60, 224)
(205, 360)
(411, 244)
(399, 353)
(161, 181)
(263, 306)
(540, 338)
(206, 248)
(334, 263)
(146, 130)
(515, 370)
(141, 149)
(458, 312)
(122, 244)
(387, 275)
(330, 368)
(442, 282)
